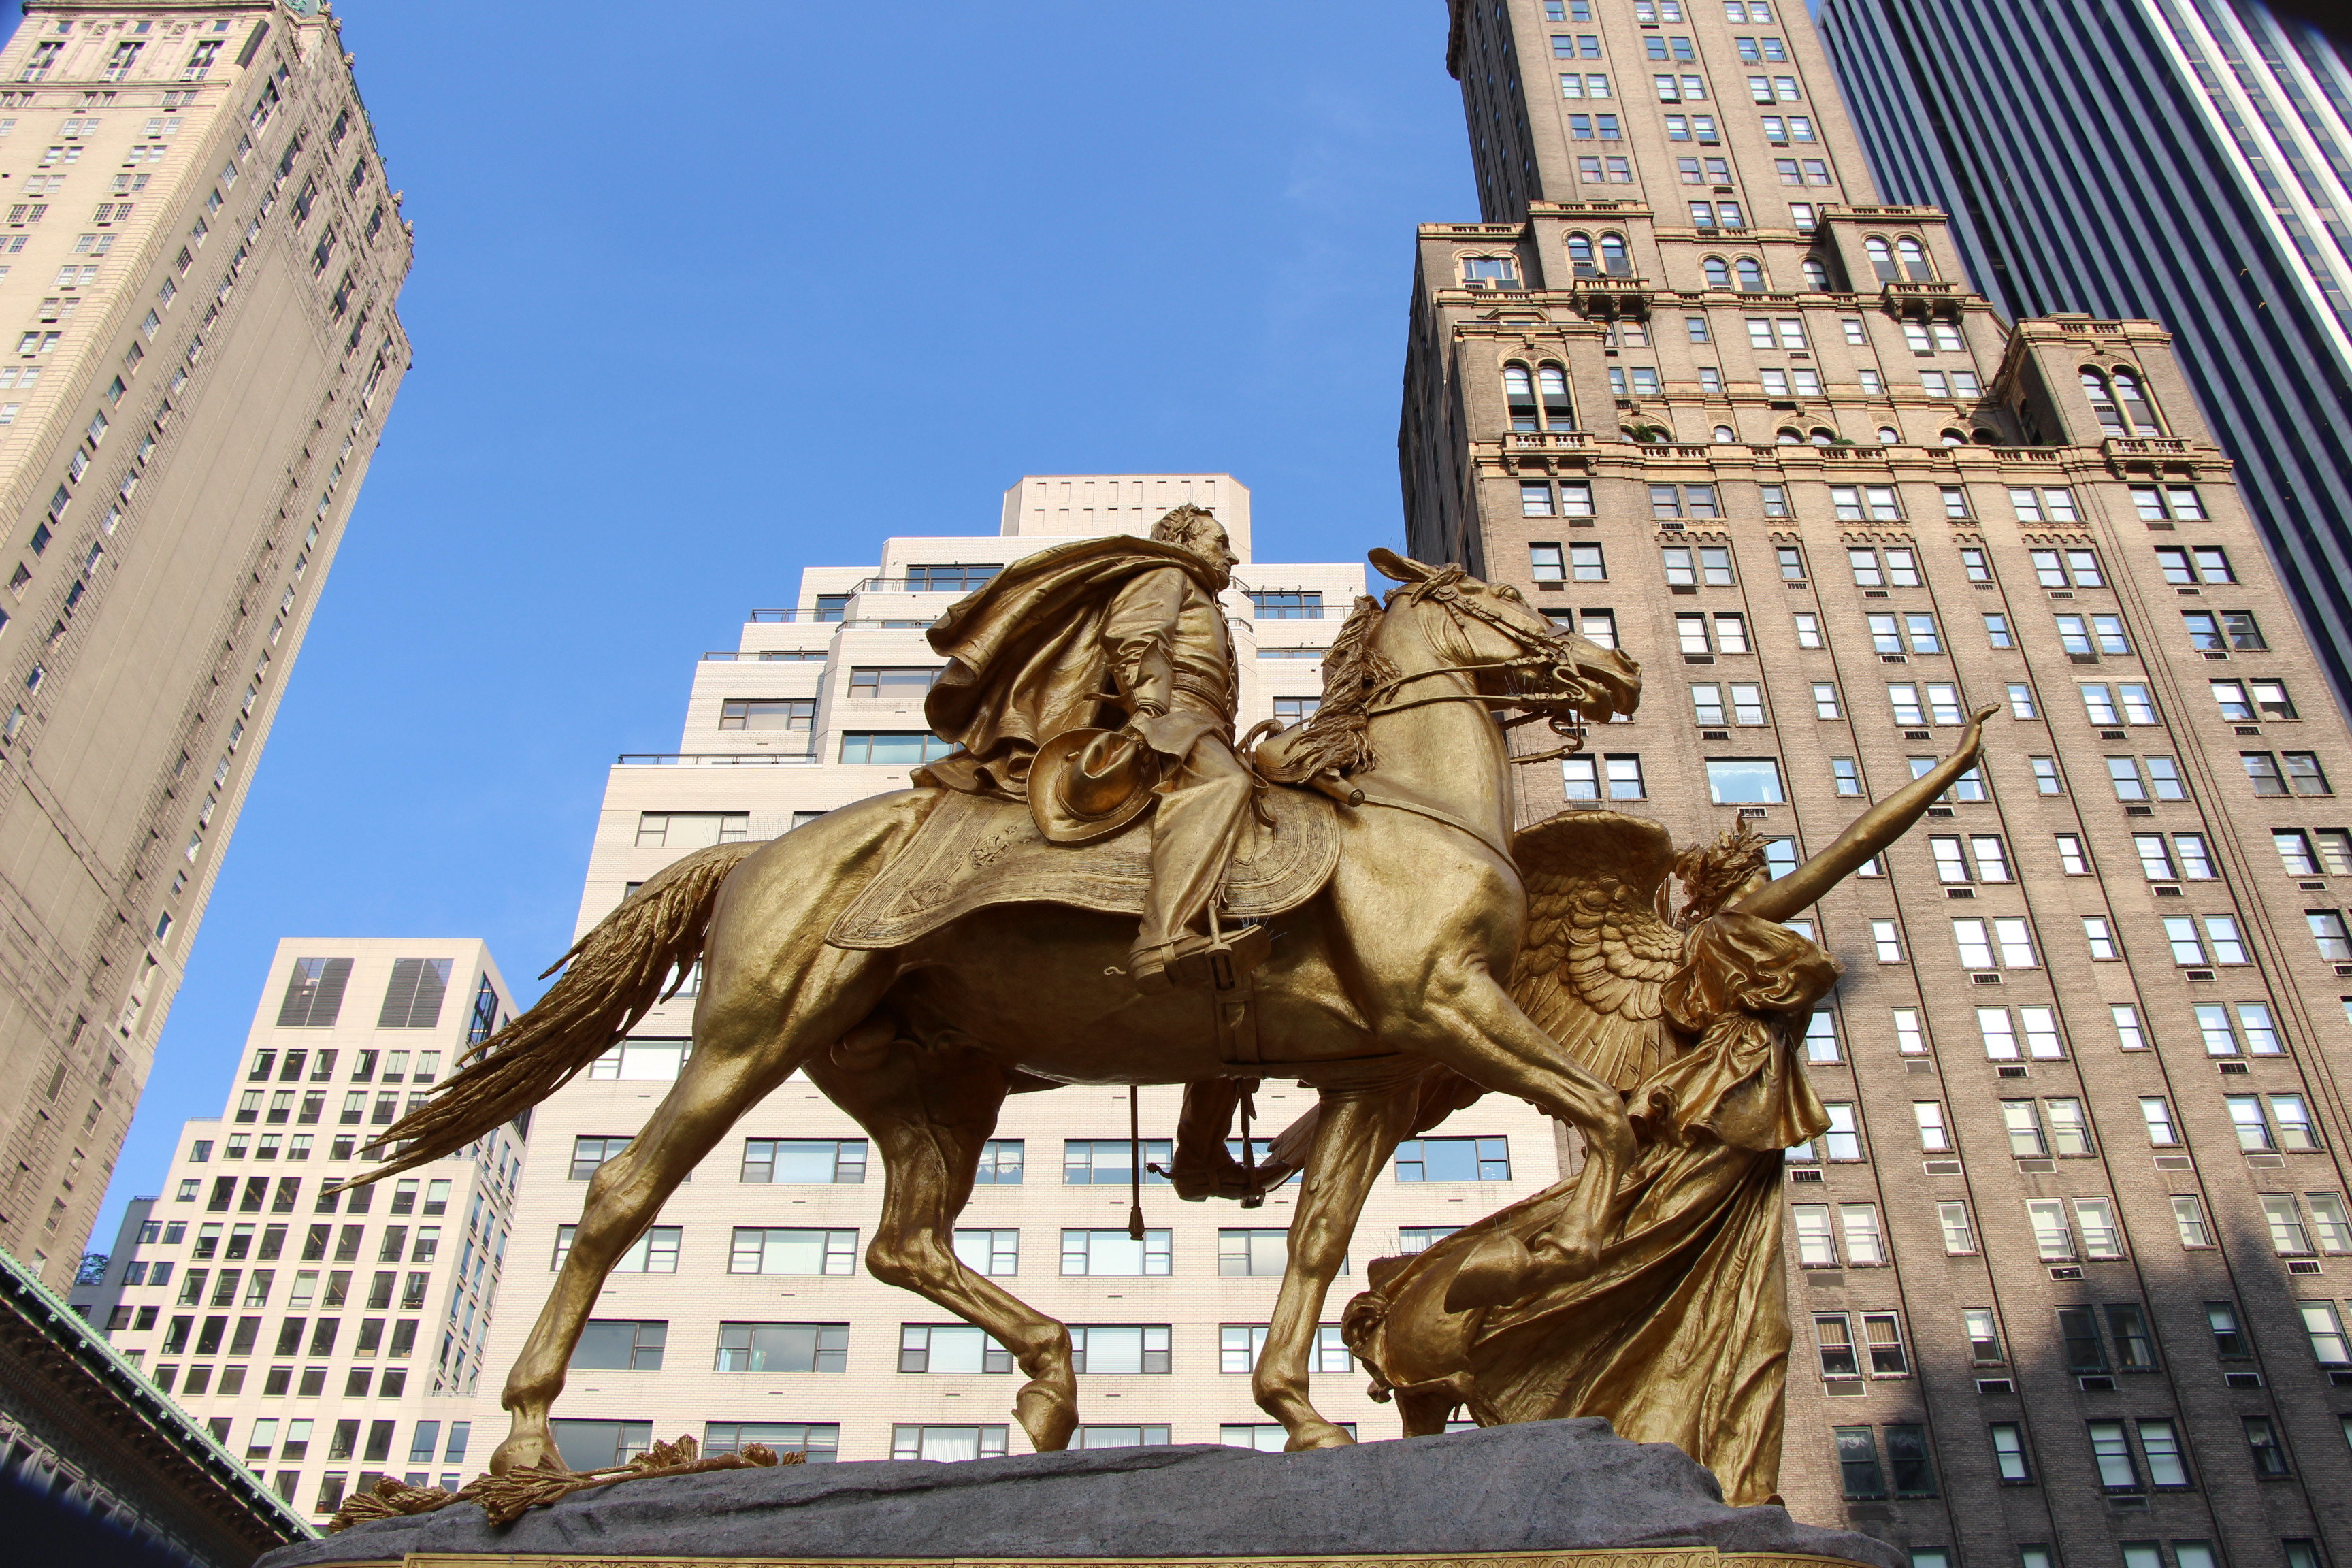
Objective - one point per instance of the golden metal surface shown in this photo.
(1387, 991)
(974, 852)
(1697, 1014)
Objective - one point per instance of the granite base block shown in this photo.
(1543, 1487)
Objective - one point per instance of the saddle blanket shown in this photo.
(972, 852)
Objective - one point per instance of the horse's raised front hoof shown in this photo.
(1317, 1433)
(532, 1446)
(1047, 1409)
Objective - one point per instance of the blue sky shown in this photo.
(700, 302)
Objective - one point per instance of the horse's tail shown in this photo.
(611, 977)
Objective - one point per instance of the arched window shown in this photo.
(1613, 259)
(1519, 397)
(1821, 437)
(1785, 436)
(2102, 403)
(1551, 381)
(1751, 275)
(1719, 272)
(1914, 257)
(1882, 258)
(1725, 436)
(1954, 439)
(2138, 412)
(1579, 254)
(1984, 438)
(1888, 435)
(1817, 275)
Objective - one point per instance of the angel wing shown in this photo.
(1595, 954)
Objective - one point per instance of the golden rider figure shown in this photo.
(1061, 646)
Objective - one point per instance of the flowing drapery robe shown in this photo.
(1027, 658)
(1681, 1334)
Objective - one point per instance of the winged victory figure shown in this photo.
(1695, 1010)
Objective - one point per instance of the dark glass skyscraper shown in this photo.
(2181, 160)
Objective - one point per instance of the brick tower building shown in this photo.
(2064, 1272)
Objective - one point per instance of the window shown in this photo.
(2146, 778)
(587, 1153)
(1865, 1246)
(1114, 1349)
(2194, 564)
(819, 1443)
(1959, 1240)
(2052, 1239)
(1108, 1162)
(691, 831)
(2008, 1452)
(1833, 1337)
(1740, 781)
(1745, 702)
(2326, 1329)
(773, 1251)
(1826, 702)
(1883, 937)
(2328, 930)
(1791, 560)
(1816, 1242)
(2253, 701)
(2263, 1448)
(1858, 1467)
(896, 748)
(2071, 860)
(1624, 775)
(616, 1344)
(1687, 567)
(1253, 1252)
(945, 1347)
(805, 1160)
(2188, 1220)
(2223, 631)
(947, 1443)
(1454, 1160)
(1114, 1252)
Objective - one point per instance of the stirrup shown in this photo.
(1220, 961)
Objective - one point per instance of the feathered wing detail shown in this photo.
(1595, 954)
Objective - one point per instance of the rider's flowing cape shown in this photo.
(1025, 657)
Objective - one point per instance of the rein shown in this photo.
(1539, 654)
(1382, 705)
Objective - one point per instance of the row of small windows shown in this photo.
(1086, 1162)
(628, 1344)
(1608, 255)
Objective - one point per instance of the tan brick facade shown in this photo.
(2048, 555)
(199, 255)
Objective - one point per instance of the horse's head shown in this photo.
(1513, 653)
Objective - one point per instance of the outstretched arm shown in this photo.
(1873, 831)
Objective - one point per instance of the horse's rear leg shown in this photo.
(775, 995)
(1354, 1137)
(930, 1109)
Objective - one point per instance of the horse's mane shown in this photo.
(1335, 736)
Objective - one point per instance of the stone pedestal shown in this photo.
(1549, 1494)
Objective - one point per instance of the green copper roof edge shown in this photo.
(23, 1292)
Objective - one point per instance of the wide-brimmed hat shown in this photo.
(1086, 784)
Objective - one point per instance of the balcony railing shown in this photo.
(714, 760)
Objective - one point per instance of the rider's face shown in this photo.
(1211, 544)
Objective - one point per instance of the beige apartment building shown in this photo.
(199, 259)
(747, 1314)
(327, 1341)
(2069, 1273)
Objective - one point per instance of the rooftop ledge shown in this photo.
(714, 759)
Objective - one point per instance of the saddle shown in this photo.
(974, 852)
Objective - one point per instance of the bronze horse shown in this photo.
(1402, 962)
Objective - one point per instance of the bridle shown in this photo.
(1449, 641)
